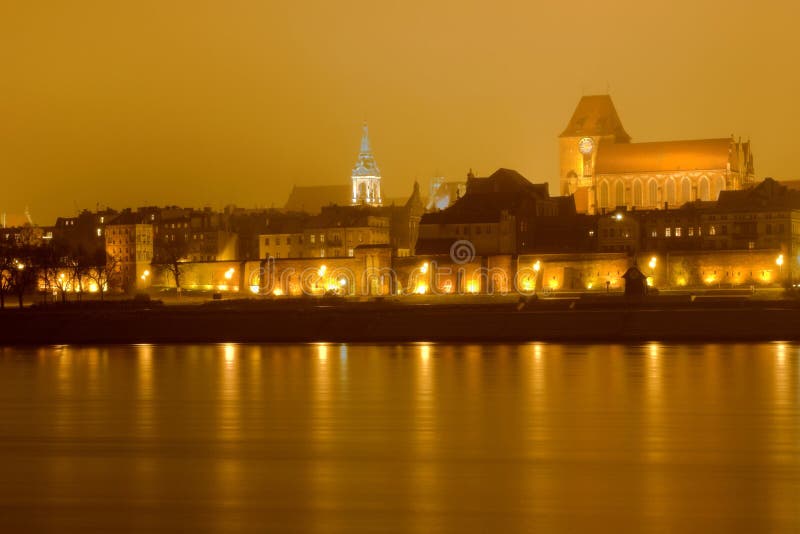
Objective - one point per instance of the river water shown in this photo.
(400, 438)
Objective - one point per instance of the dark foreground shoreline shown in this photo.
(271, 322)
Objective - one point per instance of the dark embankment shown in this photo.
(263, 321)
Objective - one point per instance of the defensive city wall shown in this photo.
(372, 271)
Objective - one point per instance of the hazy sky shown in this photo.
(208, 103)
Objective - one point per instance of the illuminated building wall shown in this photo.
(129, 239)
(604, 170)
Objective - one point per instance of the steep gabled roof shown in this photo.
(596, 115)
(664, 156)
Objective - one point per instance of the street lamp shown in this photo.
(779, 263)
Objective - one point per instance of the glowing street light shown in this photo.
(652, 263)
(779, 262)
(618, 216)
(229, 273)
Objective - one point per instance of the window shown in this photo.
(591, 233)
(604, 195)
(704, 189)
(277, 241)
(350, 252)
(690, 231)
(654, 233)
(288, 240)
(312, 239)
(619, 194)
(712, 230)
(321, 238)
(678, 231)
(652, 193)
(669, 187)
(638, 199)
(668, 232)
(686, 191)
(751, 245)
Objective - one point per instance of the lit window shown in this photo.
(678, 231)
(266, 241)
(277, 241)
(591, 233)
(321, 238)
(691, 231)
(668, 232)
(712, 230)
(312, 238)
(654, 233)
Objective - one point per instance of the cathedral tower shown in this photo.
(366, 175)
(594, 122)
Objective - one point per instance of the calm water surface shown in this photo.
(406, 438)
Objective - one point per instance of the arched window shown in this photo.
(703, 191)
(719, 185)
(652, 195)
(604, 195)
(619, 194)
(686, 191)
(638, 201)
(669, 192)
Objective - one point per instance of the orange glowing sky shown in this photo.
(198, 103)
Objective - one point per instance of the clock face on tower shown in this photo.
(586, 145)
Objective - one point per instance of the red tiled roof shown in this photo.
(701, 154)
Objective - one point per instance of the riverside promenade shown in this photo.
(603, 319)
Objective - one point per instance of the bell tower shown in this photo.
(366, 176)
(594, 123)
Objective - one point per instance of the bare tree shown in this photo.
(23, 272)
(103, 271)
(6, 274)
(170, 254)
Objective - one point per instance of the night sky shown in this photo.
(207, 103)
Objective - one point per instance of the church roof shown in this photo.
(596, 115)
(311, 199)
(664, 156)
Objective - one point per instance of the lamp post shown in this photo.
(779, 263)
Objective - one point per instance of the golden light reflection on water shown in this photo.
(229, 404)
(327, 437)
(144, 383)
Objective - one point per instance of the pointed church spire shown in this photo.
(366, 176)
(365, 148)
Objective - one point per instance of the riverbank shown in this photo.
(258, 321)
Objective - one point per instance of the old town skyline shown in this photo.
(242, 103)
